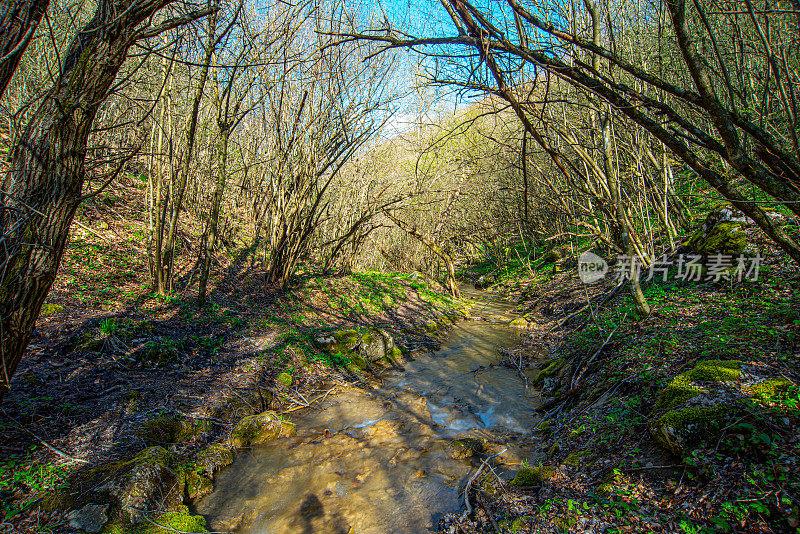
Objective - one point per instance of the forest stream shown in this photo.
(390, 457)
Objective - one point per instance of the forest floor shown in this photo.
(685, 421)
(111, 361)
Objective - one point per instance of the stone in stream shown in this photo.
(463, 448)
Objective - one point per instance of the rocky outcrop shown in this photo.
(372, 346)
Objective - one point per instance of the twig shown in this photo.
(51, 448)
(468, 511)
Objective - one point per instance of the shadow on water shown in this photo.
(380, 459)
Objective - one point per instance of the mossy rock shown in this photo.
(359, 362)
(519, 322)
(551, 368)
(397, 354)
(341, 342)
(680, 431)
(533, 476)
(171, 429)
(179, 519)
(684, 387)
(147, 480)
(462, 448)
(260, 429)
(375, 344)
(214, 457)
(284, 379)
(722, 231)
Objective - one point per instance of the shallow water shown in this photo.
(385, 466)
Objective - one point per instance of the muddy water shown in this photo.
(386, 464)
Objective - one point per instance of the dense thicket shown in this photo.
(258, 127)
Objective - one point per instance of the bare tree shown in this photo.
(44, 184)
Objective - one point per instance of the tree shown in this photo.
(672, 104)
(18, 23)
(44, 184)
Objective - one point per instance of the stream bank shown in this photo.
(391, 456)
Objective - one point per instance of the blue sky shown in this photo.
(419, 18)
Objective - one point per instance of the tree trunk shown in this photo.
(18, 23)
(42, 188)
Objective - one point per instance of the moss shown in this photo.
(533, 476)
(396, 352)
(574, 459)
(716, 371)
(48, 309)
(683, 387)
(681, 430)
(367, 338)
(179, 519)
(548, 371)
(770, 389)
(260, 429)
(213, 457)
(284, 379)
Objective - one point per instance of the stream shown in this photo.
(379, 459)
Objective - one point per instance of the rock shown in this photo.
(260, 429)
(341, 341)
(686, 386)
(145, 481)
(552, 368)
(533, 476)
(375, 345)
(91, 518)
(680, 431)
(519, 322)
(721, 232)
(462, 448)
(197, 485)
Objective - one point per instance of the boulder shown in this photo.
(722, 231)
(372, 346)
(260, 429)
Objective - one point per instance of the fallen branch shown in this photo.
(468, 511)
